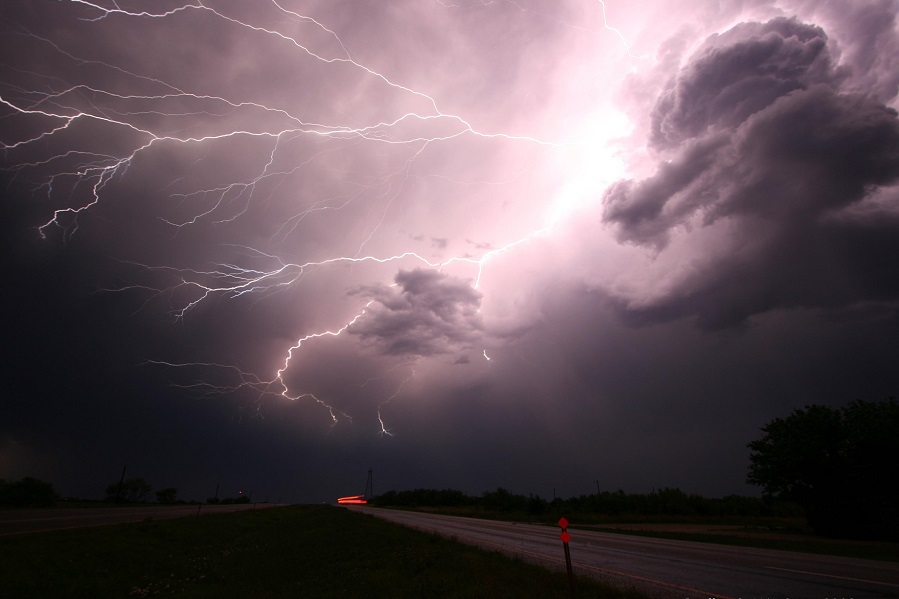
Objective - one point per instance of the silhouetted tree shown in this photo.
(838, 464)
(423, 497)
(537, 505)
(130, 490)
(167, 495)
(233, 500)
(27, 492)
(502, 500)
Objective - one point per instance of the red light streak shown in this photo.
(353, 500)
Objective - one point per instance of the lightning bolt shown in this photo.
(384, 431)
(602, 6)
(280, 374)
(160, 116)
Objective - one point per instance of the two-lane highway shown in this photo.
(668, 568)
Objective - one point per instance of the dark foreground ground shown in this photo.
(299, 551)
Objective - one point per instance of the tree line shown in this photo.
(32, 492)
(660, 502)
(835, 466)
(27, 492)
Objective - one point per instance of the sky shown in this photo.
(264, 246)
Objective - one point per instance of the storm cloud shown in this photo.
(760, 140)
(424, 313)
(543, 246)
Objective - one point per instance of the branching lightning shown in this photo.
(399, 388)
(160, 118)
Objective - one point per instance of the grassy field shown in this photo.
(300, 551)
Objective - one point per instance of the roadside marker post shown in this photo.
(563, 524)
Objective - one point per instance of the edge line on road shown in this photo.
(543, 556)
(888, 584)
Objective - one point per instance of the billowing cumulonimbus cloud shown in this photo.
(737, 74)
(869, 45)
(761, 133)
(425, 313)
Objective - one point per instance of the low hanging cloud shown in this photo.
(765, 135)
(425, 313)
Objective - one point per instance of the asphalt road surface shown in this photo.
(15, 522)
(667, 568)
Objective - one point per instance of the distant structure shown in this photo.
(359, 499)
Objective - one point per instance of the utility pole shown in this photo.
(118, 498)
(369, 487)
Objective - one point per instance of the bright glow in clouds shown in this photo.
(380, 135)
(590, 165)
(372, 199)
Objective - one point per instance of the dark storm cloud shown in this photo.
(737, 74)
(870, 46)
(424, 313)
(648, 209)
(763, 140)
(775, 187)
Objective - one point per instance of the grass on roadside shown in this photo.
(300, 551)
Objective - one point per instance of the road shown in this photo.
(15, 522)
(666, 568)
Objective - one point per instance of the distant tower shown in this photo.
(369, 489)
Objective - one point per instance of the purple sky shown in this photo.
(269, 245)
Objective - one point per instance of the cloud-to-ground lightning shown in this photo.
(142, 115)
(468, 243)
